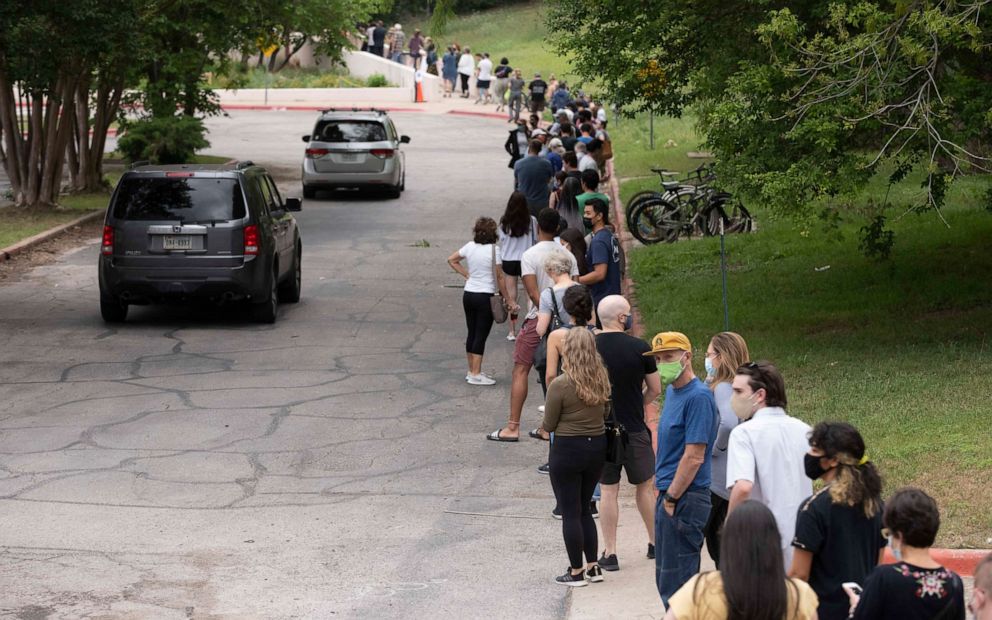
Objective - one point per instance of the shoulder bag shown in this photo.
(496, 302)
(616, 437)
(541, 352)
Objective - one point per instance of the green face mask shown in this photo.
(670, 371)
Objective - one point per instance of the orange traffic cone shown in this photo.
(419, 90)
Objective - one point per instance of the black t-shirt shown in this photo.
(569, 142)
(503, 71)
(905, 592)
(627, 365)
(845, 545)
(379, 36)
(537, 89)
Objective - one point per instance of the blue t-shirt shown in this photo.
(604, 248)
(555, 159)
(532, 176)
(689, 416)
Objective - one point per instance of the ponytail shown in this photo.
(857, 482)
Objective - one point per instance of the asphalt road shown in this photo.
(192, 464)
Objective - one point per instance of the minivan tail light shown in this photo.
(178, 174)
(107, 248)
(251, 240)
(315, 153)
(383, 153)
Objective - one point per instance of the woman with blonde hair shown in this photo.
(726, 352)
(575, 410)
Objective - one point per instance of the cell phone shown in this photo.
(852, 588)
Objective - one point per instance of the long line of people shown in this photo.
(731, 467)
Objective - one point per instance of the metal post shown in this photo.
(651, 126)
(723, 269)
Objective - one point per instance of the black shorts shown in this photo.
(511, 268)
(482, 84)
(638, 461)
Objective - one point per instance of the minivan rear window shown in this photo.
(349, 131)
(188, 199)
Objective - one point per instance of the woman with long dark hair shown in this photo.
(517, 232)
(575, 242)
(575, 411)
(751, 583)
(483, 279)
(839, 529)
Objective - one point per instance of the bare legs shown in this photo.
(512, 289)
(609, 512)
(474, 363)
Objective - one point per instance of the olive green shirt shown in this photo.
(566, 415)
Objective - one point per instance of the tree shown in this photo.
(800, 101)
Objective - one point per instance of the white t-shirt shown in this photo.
(512, 248)
(466, 64)
(601, 115)
(485, 69)
(532, 264)
(479, 260)
(588, 163)
(768, 452)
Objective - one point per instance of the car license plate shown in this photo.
(348, 158)
(177, 242)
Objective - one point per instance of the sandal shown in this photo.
(536, 434)
(495, 436)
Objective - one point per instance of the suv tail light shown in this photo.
(107, 248)
(383, 153)
(315, 153)
(252, 244)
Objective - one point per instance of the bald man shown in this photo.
(635, 383)
(981, 594)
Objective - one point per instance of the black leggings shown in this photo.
(464, 83)
(479, 319)
(714, 526)
(576, 465)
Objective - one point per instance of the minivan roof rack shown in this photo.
(135, 164)
(245, 164)
(373, 110)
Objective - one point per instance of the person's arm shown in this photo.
(552, 407)
(501, 283)
(455, 261)
(652, 390)
(554, 342)
(740, 493)
(530, 285)
(802, 562)
(597, 274)
(693, 457)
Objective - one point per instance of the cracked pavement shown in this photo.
(193, 464)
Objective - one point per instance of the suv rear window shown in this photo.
(188, 199)
(349, 131)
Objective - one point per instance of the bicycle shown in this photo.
(673, 190)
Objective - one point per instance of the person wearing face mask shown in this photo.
(635, 384)
(686, 433)
(839, 529)
(915, 587)
(727, 351)
(981, 595)
(603, 255)
(765, 455)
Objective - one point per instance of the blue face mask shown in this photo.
(896, 553)
(628, 323)
(710, 369)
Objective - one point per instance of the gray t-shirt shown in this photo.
(728, 420)
(517, 87)
(545, 306)
(532, 176)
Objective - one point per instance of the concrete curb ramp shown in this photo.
(26, 244)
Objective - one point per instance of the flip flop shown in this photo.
(536, 434)
(495, 436)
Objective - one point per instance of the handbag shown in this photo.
(616, 437)
(541, 352)
(496, 303)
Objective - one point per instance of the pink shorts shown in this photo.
(527, 341)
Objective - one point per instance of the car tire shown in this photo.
(309, 192)
(266, 310)
(112, 310)
(403, 182)
(394, 191)
(289, 291)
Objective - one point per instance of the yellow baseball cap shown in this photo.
(669, 341)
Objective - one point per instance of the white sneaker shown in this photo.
(480, 379)
(511, 337)
(540, 409)
(481, 374)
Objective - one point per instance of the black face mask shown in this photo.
(587, 223)
(813, 468)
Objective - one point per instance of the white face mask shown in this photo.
(710, 368)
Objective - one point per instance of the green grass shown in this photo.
(290, 77)
(517, 32)
(17, 223)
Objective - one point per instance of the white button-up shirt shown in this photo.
(767, 451)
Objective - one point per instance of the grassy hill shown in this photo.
(901, 348)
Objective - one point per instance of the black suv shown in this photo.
(213, 232)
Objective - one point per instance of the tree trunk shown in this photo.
(291, 50)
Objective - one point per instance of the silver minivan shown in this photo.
(357, 148)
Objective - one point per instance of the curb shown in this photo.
(26, 244)
(482, 114)
(307, 108)
(961, 561)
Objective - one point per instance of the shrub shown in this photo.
(165, 140)
(376, 80)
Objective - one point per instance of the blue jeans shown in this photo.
(679, 540)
